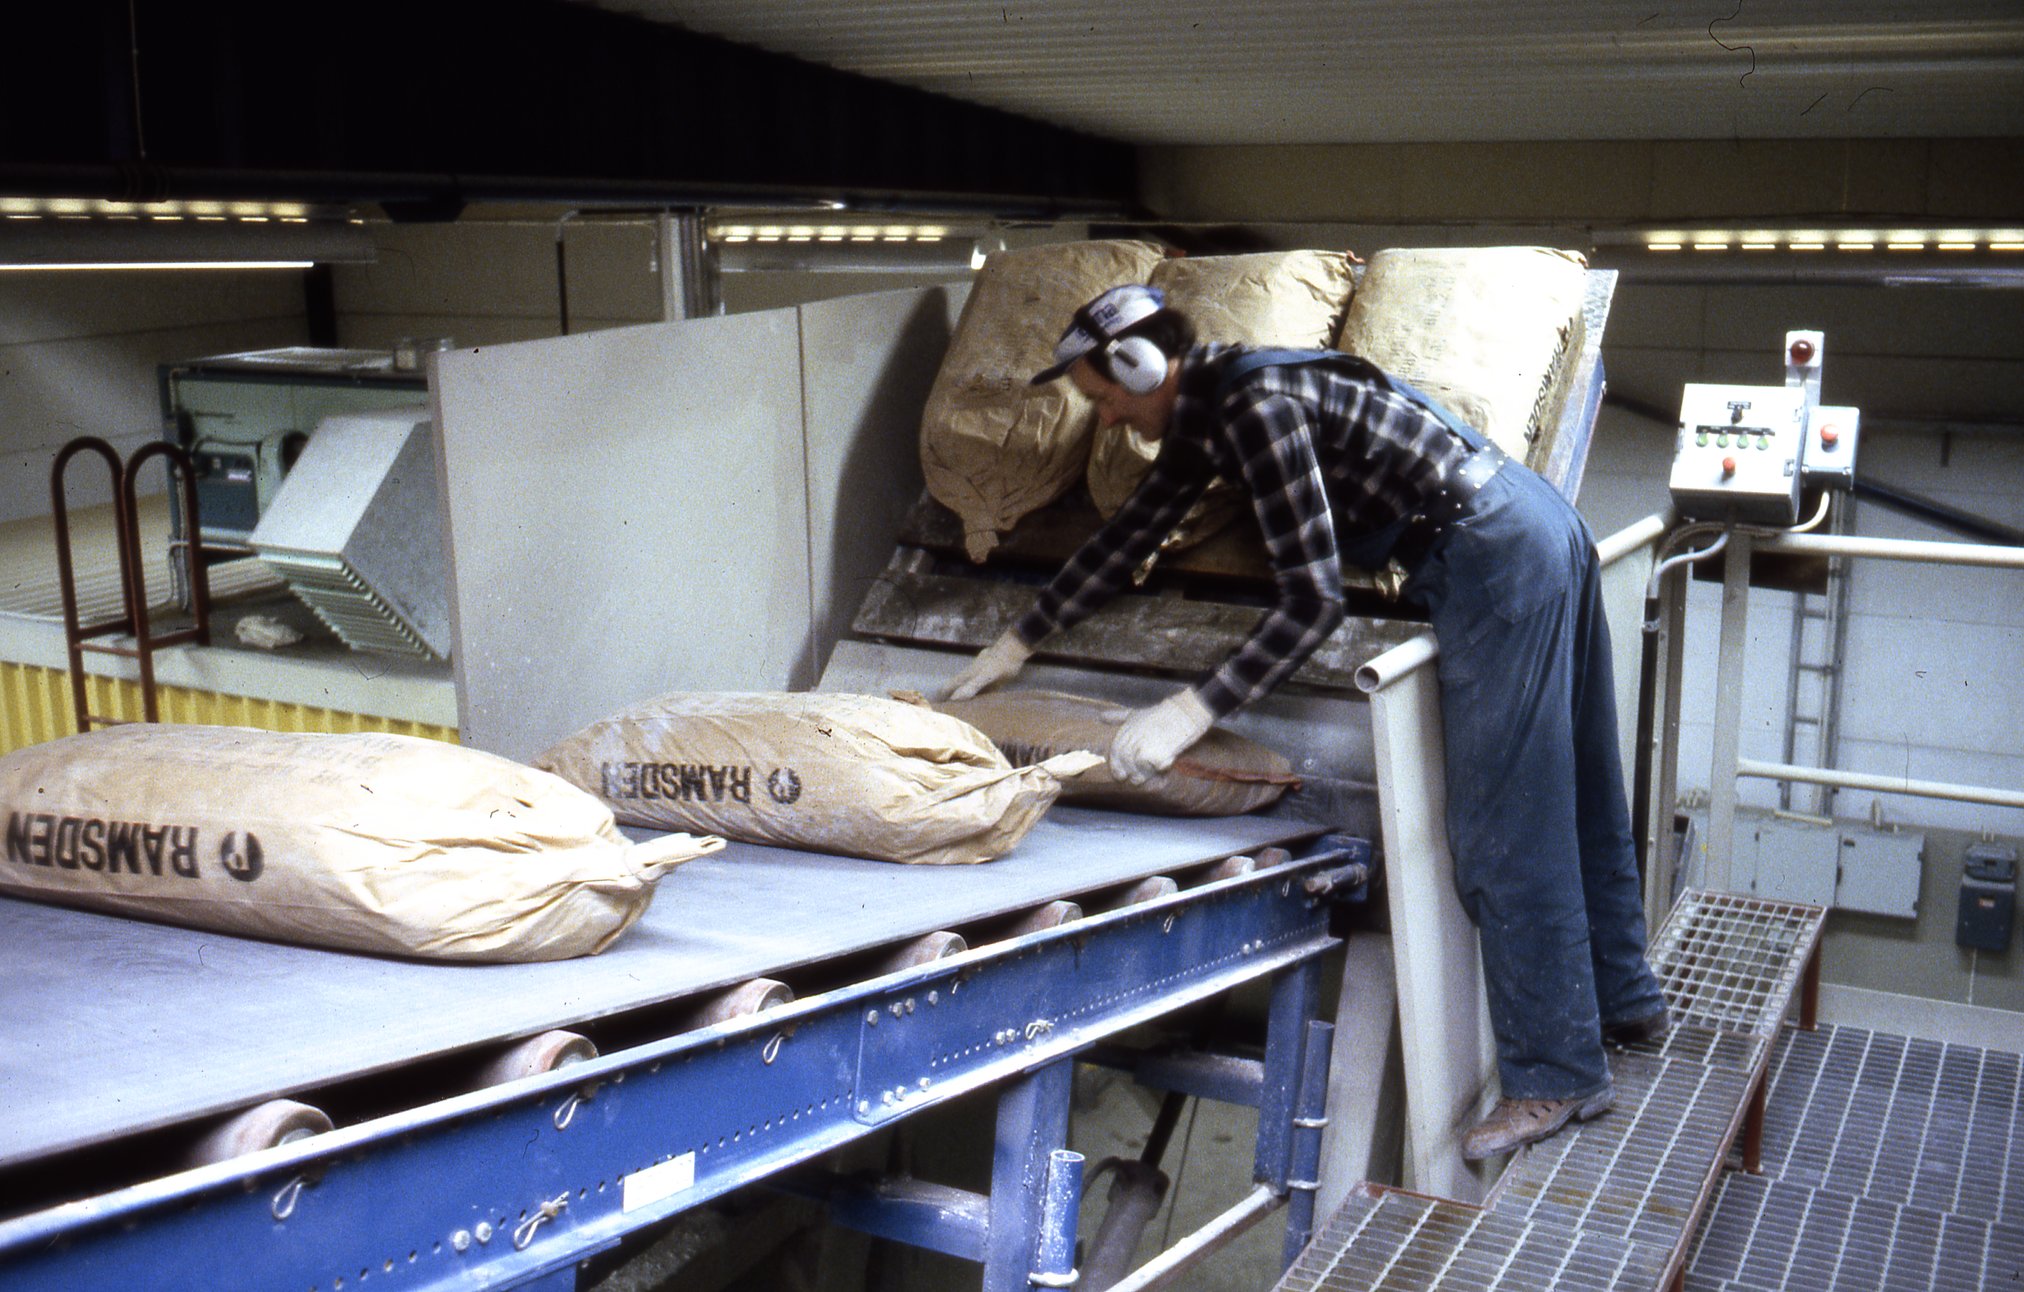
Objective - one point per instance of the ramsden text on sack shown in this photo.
(677, 781)
(90, 843)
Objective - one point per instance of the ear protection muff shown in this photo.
(1137, 364)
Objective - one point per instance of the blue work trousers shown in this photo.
(1537, 818)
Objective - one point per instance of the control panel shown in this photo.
(1745, 453)
(1830, 448)
(1739, 453)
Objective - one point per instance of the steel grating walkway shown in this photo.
(1610, 1204)
(1889, 1163)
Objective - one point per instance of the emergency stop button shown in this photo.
(1830, 435)
(1728, 467)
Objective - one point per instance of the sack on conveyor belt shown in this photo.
(365, 842)
(853, 774)
(1492, 332)
(1287, 299)
(992, 447)
(1222, 774)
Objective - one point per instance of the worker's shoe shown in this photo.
(1636, 1031)
(1514, 1123)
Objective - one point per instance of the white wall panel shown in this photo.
(53, 391)
(867, 364)
(1889, 591)
(482, 270)
(67, 306)
(627, 515)
(1935, 682)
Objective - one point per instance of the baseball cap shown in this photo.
(1098, 323)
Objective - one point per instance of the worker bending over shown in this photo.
(1342, 463)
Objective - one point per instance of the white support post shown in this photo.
(1444, 1016)
(1720, 844)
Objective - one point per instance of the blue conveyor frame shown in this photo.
(514, 1186)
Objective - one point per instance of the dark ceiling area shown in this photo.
(426, 107)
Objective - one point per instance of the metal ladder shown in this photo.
(1830, 611)
(80, 637)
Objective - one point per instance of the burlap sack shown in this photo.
(992, 447)
(1222, 774)
(1289, 299)
(853, 774)
(365, 842)
(1492, 332)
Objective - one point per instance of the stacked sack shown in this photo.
(1494, 333)
(853, 774)
(994, 448)
(1282, 299)
(365, 842)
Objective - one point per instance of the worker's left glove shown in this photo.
(1151, 739)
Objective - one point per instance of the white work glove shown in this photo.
(1151, 739)
(994, 664)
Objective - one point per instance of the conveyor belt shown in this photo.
(115, 1026)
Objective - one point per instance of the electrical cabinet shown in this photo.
(245, 418)
(1792, 861)
(1879, 871)
(1829, 461)
(1845, 865)
(1739, 453)
(1988, 897)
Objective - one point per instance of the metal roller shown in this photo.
(535, 1055)
(268, 1125)
(754, 996)
(1051, 915)
(1149, 889)
(1231, 867)
(923, 950)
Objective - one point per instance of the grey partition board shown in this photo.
(626, 515)
(115, 1026)
(867, 365)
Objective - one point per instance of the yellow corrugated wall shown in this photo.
(35, 706)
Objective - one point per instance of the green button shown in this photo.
(1702, 439)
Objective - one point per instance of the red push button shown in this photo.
(1830, 436)
(1802, 352)
(1728, 467)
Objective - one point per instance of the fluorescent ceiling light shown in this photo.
(59, 266)
(1760, 239)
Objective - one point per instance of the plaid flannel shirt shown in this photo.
(1318, 451)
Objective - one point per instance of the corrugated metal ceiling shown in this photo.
(1330, 71)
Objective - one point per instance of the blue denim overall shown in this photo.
(1537, 817)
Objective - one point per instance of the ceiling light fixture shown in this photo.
(72, 233)
(73, 266)
(1760, 240)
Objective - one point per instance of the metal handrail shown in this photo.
(80, 637)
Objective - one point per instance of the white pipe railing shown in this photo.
(1881, 784)
(1380, 671)
(1897, 549)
